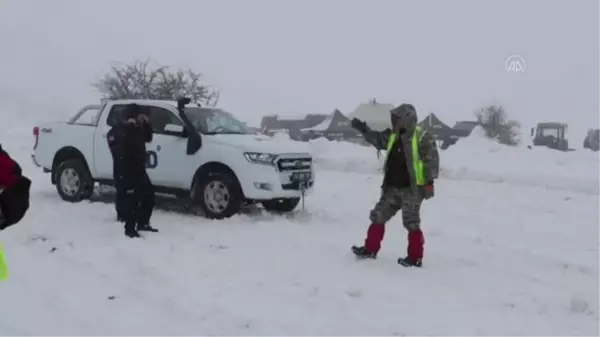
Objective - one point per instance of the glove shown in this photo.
(428, 190)
(359, 125)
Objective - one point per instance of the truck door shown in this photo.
(168, 164)
(103, 161)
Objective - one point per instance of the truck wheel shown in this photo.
(219, 195)
(73, 182)
(281, 205)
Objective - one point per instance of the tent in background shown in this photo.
(335, 127)
(435, 126)
(291, 125)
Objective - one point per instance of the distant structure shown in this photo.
(291, 125)
(335, 127)
(377, 115)
(438, 129)
(252, 129)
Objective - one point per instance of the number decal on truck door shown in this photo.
(151, 159)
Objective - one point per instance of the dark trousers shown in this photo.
(119, 197)
(138, 201)
(14, 203)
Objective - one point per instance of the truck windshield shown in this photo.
(549, 132)
(212, 121)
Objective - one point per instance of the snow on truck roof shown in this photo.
(144, 101)
(551, 125)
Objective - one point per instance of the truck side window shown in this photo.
(114, 116)
(160, 117)
(88, 116)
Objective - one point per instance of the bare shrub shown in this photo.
(147, 80)
(496, 125)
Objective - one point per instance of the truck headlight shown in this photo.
(260, 158)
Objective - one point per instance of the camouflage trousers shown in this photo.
(393, 200)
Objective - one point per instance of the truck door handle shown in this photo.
(104, 135)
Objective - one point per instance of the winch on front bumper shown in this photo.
(298, 172)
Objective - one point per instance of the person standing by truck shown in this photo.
(138, 201)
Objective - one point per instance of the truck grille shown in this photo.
(294, 164)
(295, 186)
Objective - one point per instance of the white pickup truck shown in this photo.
(200, 153)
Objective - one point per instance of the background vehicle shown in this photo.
(205, 154)
(551, 135)
(592, 140)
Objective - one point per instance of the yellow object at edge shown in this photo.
(3, 266)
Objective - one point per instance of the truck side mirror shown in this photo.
(175, 130)
(531, 132)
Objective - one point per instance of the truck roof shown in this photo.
(143, 101)
(551, 125)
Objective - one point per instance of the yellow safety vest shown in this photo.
(418, 166)
(3, 266)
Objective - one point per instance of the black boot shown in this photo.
(132, 233)
(362, 253)
(147, 228)
(130, 230)
(410, 262)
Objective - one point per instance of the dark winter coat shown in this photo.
(132, 139)
(396, 169)
(14, 191)
(113, 138)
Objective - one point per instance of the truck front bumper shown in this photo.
(262, 182)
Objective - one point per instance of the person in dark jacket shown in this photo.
(411, 167)
(113, 137)
(138, 201)
(14, 191)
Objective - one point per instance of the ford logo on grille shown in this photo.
(298, 164)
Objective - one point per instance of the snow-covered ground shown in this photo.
(511, 249)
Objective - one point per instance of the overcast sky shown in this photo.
(295, 57)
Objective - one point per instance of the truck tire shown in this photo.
(281, 205)
(218, 194)
(73, 181)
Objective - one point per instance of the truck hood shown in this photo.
(260, 143)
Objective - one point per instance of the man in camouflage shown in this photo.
(411, 167)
